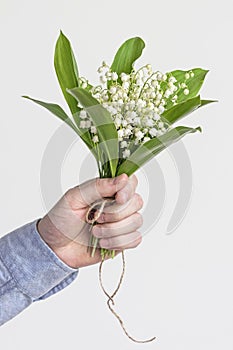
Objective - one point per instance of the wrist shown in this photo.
(49, 236)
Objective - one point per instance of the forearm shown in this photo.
(29, 271)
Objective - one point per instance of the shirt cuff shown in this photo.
(35, 268)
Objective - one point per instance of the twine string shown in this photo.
(92, 216)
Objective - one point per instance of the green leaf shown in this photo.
(106, 130)
(206, 102)
(61, 114)
(151, 148)
(56, 110)
(180, 110)
(66, 69)
(193, 84)
(126, 55)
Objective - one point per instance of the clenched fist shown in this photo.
(67, 233)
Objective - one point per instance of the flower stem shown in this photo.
(94, 245)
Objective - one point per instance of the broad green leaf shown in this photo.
(151, 148)
(106, 130)
(61, 114)
(180, 110)
(66, 69)
(193, 84)
(126, 55)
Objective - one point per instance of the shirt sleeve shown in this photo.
(29, 271)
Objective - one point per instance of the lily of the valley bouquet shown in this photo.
(129, 117)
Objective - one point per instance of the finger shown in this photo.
(126, 192)
(117, 212)
(93, 190)
(121, 227)
(130, 240)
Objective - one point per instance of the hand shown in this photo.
(67, 233)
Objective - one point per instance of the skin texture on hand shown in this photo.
(67, 233)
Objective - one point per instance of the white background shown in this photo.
(177, 287)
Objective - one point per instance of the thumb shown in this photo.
(96, 189)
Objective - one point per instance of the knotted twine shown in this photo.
(92, 216)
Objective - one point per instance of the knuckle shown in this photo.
(139, 201)
(98, 183)
(135, 180)
(69, 196)
(138, 239)
(68, 193)
(135, 240)
(138, 219)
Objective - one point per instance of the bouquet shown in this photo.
(128, 118)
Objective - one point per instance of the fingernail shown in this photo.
(101, 218)
(104, 243)
(96, 231)
(118, 178)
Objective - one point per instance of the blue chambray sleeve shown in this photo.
(29, 271)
